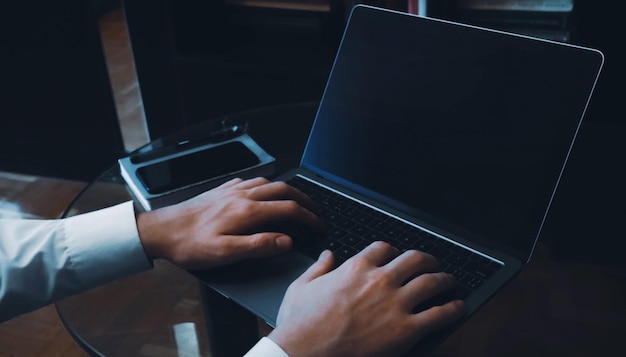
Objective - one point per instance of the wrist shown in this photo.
(148, 234)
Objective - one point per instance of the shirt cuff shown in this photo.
(104, 245)
(266, 348)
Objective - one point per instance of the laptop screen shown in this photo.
(467, 127)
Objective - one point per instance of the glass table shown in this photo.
(160, 312)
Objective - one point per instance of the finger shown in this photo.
(426, 286)
(253, 182)
(281, 191)
(378, 253)
(410, 264)
(438, 317)
(324, 264)
(277, 211)
(258, 245)
(230, 183)
(270, 216)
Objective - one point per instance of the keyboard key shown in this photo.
(471, 282)
(423, 245)
(345, 252)
(478, 270)
(393, 232)
(363, 219)
(374, 236)
(439, 253)
(346, 223)
(456, 259)
(337, 233)
(479, 259)
(352, 240)
(378, 225)
(332, 244)
(332, 217)
(406, 239)
(351, 213)
(456, 272)
(359, 230)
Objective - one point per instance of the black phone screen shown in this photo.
(196, 167)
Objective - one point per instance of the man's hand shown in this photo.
(218, 227)
(364, 307)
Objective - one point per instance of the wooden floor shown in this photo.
(554, 308)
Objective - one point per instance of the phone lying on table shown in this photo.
(187, 170)
(182, 171)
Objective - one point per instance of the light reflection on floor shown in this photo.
(186, 339)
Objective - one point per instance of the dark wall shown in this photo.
(57, 115)
(198, 60)
(588, 220)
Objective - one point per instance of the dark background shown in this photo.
(200, 59)
(57, 115)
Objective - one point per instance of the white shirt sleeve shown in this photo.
(266, 348)
(42, 261)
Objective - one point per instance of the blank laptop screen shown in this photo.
(468, 127)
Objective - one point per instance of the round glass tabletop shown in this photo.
(159, 312)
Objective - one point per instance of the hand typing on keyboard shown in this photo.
(352, 226)
(222, 225)
(364, 307)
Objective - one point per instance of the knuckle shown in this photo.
(415, 255)
(281, 185)
(221, 252)
(247, 205)
(357, 263)
(256, 179)
(383, 276)
(378, 279)
(260, 242)
(434, 280)
(240, 207)
(291, 206)
(262, 180)
(380, 245)
(421, 258)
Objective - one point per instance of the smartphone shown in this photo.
(199, 166)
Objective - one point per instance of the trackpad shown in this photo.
(258, 285)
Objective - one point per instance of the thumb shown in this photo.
(260, 245)
(324, 264)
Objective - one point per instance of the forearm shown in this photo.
(42, 261)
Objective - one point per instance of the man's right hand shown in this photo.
(365, 306)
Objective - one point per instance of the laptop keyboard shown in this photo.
(352, 226)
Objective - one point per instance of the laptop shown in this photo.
(453, 136)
